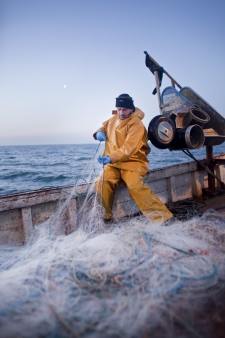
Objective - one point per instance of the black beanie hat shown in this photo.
(125, 101)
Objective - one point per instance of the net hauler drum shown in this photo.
(189, 138)
(161, 131)
(163, 134)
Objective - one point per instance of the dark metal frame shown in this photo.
(210, 161)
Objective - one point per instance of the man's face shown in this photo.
(123, 113)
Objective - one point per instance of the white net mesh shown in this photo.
(129, 279)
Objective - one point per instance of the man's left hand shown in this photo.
(104, 160)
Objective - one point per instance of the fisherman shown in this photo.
(125, 158)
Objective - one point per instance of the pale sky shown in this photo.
(63, 62)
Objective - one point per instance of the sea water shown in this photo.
(25, 168)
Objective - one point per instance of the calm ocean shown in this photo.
(24, 168)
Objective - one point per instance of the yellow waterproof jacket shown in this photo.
(127, 142)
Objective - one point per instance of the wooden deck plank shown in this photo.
(27, 224)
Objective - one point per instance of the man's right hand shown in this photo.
(100, 136)
(104, 160)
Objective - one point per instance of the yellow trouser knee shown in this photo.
(148, 203)
(111, 177)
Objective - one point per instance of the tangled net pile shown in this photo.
(132, 279)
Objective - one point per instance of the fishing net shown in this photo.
(127, 279)
(131, 278)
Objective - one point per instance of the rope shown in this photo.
(77, 179)
(183, 210)
(103, 175)
(188, 153)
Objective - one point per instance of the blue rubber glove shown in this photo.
(104, 160)
(100, 136)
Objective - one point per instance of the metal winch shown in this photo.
(185, 120)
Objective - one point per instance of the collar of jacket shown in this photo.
(137, 113)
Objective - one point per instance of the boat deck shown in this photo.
(216, 203)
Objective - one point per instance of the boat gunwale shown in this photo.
(48, 194)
